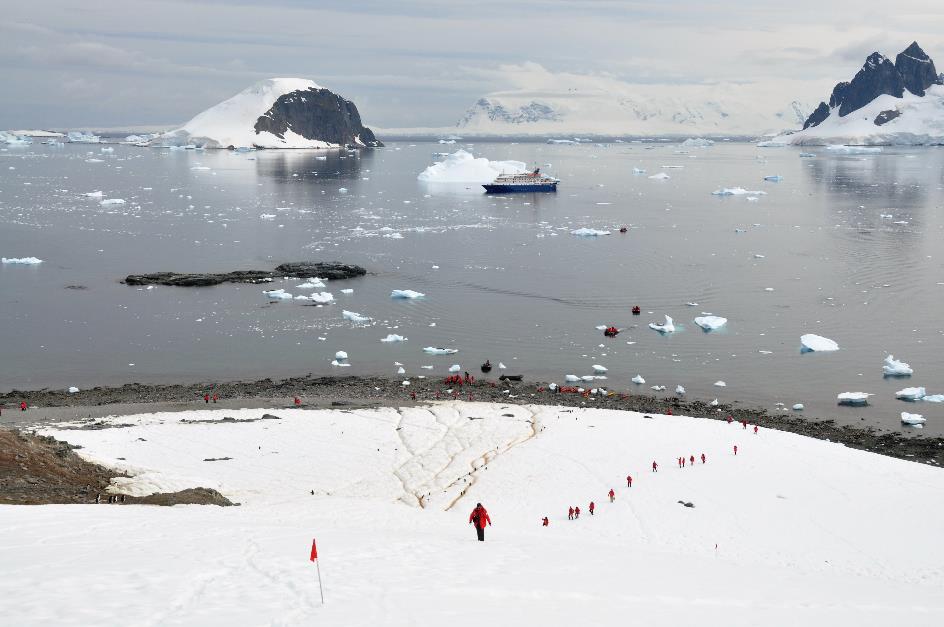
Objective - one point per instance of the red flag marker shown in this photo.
(314, 558)
(314, 551)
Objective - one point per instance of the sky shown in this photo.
(419, 63)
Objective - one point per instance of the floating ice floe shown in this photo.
(585, 232)
(720, 384)
(21, 261)
(462, 167)
(571, 378)
(714, 403)
(639, 170)
(340, 364)
(277, 294)
(798, 407)
(895, 368)
(638, 380)
(322, 298)
(598, 368)
(353, 316)
(697, 142)
(658, 388)
(401, 370)
(911, 394)
(455, 368)
(73, 390)
(95, 194)
(853, 398)
(933, 398)
(435, 350)
(393, 235)
(311, 284)
(679, 390)
(853, 150)
(347, 291)
(406, 294)
(661, 176)
(267, 216)
(773, 178)
(112, 201)
(711, 323)
(666, 327)
(393, 337)
(915, 420)
(340, 355)
(501, 366)
(736, 191)
(811, 342)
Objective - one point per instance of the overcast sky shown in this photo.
(407, 63)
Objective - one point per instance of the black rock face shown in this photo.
(317, 114)
(913, 70)
(886, 116)
(331, 270)
(878, 76)
(819, 114)
(916, 69)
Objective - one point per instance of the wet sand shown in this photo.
(52, 406)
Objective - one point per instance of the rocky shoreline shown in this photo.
(49, 406)
(330, 270)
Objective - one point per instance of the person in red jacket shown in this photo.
(22, 405)
(591, 508)
(576, 512)
(691, 460)
(612, 495)
(479, 517)
(755, 429)
(655, 466)
(570, 513)
(629, 481)
(206, 399)
(703, 458)
(735, 449)
(545, 522)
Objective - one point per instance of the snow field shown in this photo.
(806, 530)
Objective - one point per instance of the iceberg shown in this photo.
(401, 370)
(658, 388)
(340, 364)
(853, 150)
(79, 137)
(354, 316)
(407, 294)
(435, 350)
(816, 343)
(340, 355)
(697, 142)
(95, 194)
(798, 407)
(277, 295)
(711, 323)
(462, 167)
(638, 380)
(322, 297)
(736, 191)
(21, 261)
(393, 337)
(584, 232)
(853, 398)
(501, 366)
(311, 284)
(915, 420)
(455, 368)
(895, 368)
(597, 368)
(666, 327)
(661, 176)
(720, 384)
(933, 398)
(911, 394)
(112, 201)
(347, 291)
(571, 378)
(714, 403)
(679, 390)
(73, 390)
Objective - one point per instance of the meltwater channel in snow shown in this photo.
(505, 280)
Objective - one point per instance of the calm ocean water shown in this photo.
(504, 279)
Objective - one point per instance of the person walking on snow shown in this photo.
(655, 466)
(545, 522)
(612, 495)
(206, 399)
(735, 449)
(680, 462)
(591, 508)
(479, 517)
(703, 458)
(570, 514)
(576, 513)
(755, 429)
(629, 481)
(692, 460)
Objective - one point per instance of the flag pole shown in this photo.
(314, 558)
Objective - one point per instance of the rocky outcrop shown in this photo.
(916, 69)
(886, 116)
(913, 70)
(331, 270)
(316, 114)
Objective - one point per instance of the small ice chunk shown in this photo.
(347, 291)
(501, 366)
(73, 390)
(679, 390)
(585, 232)
(354, 316)
(661, 176)
(817, 343)
(853, 150)
(279, 294)
(340, 355)
(96, 194)
(393, 337)
(639, 170)
(311, 284)
(895, 368)
(911, 394)
(666, 327)
(571, 378)
(112, 201)
(597, 368)
(406, 382)
(915, 420)
(435, 350)
(322, 297)
(853, 398)
(455, 368)
(720, 384)
(408, 294)
(713, 403)
(774, 178)
(400, 370)
(798, 407)
(736, 191)
(658, 388)
(340, 364)
(638, 380)
(711, 323)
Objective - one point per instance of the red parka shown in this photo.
(479, 517)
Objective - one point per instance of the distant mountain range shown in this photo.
(884, 103)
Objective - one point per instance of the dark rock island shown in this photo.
(331, 270)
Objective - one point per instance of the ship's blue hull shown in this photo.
(493, 188)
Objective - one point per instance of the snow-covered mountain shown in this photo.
(276, 113)
(884, 103)
(618, 108)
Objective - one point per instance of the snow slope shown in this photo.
(790, 531)
(920, 122)
(232, 122)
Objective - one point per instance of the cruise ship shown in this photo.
(528, 182)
